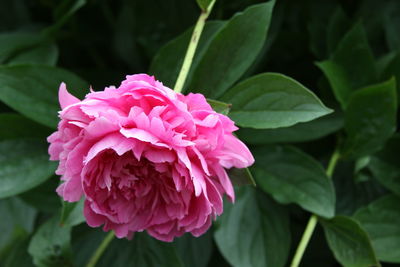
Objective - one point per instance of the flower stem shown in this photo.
(312, 222)
(100, 250)
(194, 40)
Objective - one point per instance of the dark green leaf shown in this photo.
(24, 164)
(203, 4)
(241, 176)
(32, 90)
(339, 23)
(168, 61)
(195, 251)
(14, 126)
(45, 53)
(16, 214)
(18, 254)
(13, 43)
(392, 68)
(292, 176)
(50, 246)
(351, 66)
(72, 213)
(232, 51)
(349, 242)
(385, 165)
(254, 232)
(44, 197)
(381, 219)
(370, 119)
(142, 250)
(272, 100)
(63, 12)
(219, 106)
(301, 132)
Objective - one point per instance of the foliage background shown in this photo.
(346, 52)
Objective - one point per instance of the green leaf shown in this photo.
(232, 51)
(168, 61)
(254, 232)
(45, 53)
(339, 23)
(50, 245)
(292, 176)
(32, 90)
(241, 177)
(13, 43)
(195, 251)
(203, 4)
(44, 197)
(392, 68)
(24, 164)
(19, 216)
(142, 250)
(300, 132)
(385, 165)
(72, 213)
(272, 100)
(381, 219)
(349, 242)
(370, 119)
(18, 254)
(13, 126)
(219, 106)
(351, 66)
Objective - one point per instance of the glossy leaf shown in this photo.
(349, 242)
(385, 165)
(168, 61)
(272, 100)
(50, 245)
(232, 51)
(351, 66)
(24, 164)
(370, 119)
(35, 95)
(300, 132)
(381, 219)
(142, 250)
(219, 106)
(292, 176)
(254, 232)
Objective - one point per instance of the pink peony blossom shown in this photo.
(145, 158)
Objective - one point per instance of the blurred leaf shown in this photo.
(241, 177)
(24, 164)
(142, 250)
(13, 43)
(50, 245)
(219, 106)
(254, 232)
(300, 132)
(32, 90)
(381, 219)
(370, 119)
(18, 255)
(195, 251)
(392, 68)
(385, 165)
(45, 53)
(232, 51)
(203, 4)
(272, 100)
(15, 214)
(349, 242)
(338, 25)
(63, 12)
(14, 126)
(292, 176)
(168, 61)
(351, 66)
(72, 213)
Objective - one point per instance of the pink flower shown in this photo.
(145, 158)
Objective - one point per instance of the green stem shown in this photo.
(100, 250)
(194, 40)
(312, 222)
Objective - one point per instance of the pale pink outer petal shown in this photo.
(65, 98)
